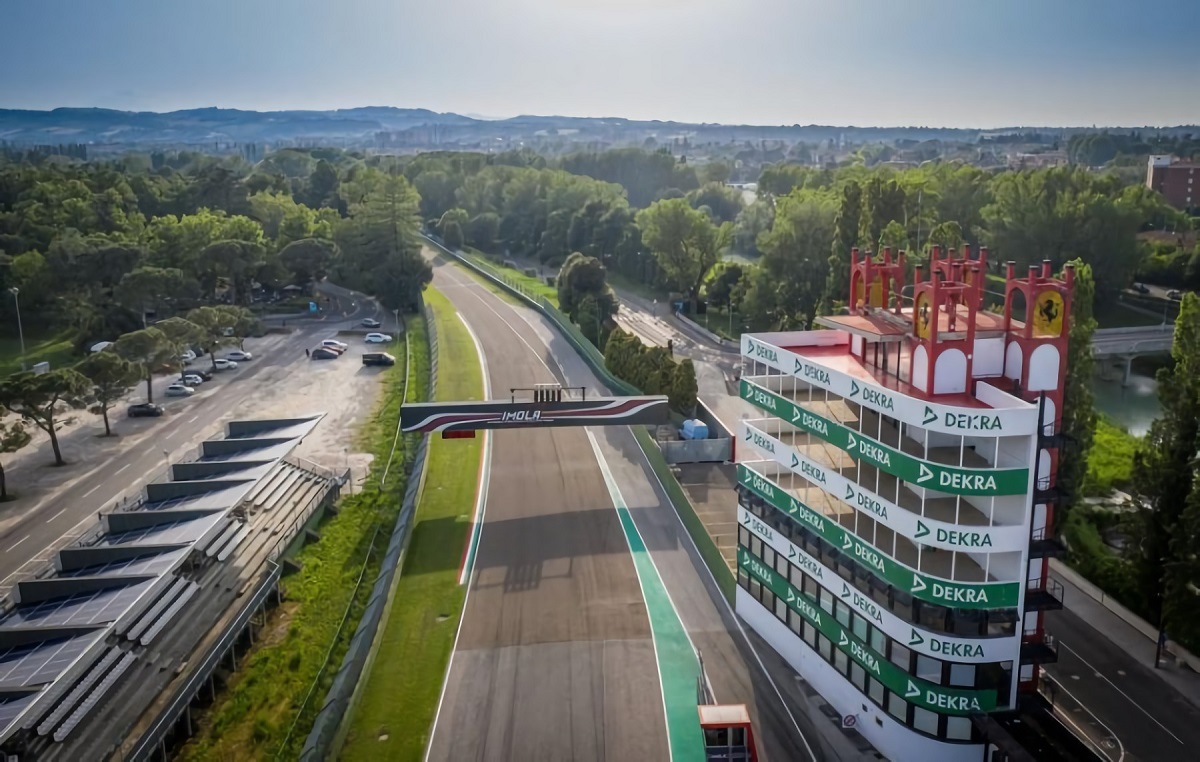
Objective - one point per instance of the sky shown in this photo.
(960, 63)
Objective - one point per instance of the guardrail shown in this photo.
(709, 552)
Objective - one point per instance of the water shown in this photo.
(1134, 406)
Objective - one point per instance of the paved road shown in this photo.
(32, 529)
(1122, 696)
(554, 658)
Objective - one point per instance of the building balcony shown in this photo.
(1041, 545)
(1041, 651)
(1043, 595)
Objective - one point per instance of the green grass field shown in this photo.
(252, 717)
(401, 693)
(516, 278)
(1110, 461)
(56, 350)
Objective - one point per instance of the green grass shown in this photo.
(401, 693)
(56, 350)
(1110, 461)
(252, 717)
(516, 278)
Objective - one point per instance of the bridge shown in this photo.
(1124, 344)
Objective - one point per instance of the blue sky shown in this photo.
(863, 62)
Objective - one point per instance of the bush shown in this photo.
(1090, 556)
(652, 370)
(1110, 461)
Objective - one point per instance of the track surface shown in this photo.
(555, 658)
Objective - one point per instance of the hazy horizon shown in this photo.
(936, 63)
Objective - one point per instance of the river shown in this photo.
(1134, 406)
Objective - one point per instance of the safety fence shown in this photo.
(322, 738)
(595, 361)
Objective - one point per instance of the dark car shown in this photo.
(1141, 288)
(1174, 296)
(378, 358)
(206, 375)
(144, 410)
(325, 353)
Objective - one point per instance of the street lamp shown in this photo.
(20, 330)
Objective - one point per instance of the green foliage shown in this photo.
(685, 242)
(1078, 416)
(40, 398)
(1090, 556)
(13, 437)
(723, 203)
(794, 266)
(309, 259)
(846, 227)
(651, 369)
(149, 348)
(644, 175)
(1109, 460)
(111, 376)
(683, 390)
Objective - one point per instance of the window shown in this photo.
(743, 536)
(781, 609)
(782, 566)
(878, 641)
(902, 605)
(743, 578)
(810, 634)
(962, 675)
(811, 588)
(858, 676)
(931, 615)
(796, 622)
(826, 601)
(768, 555)
(958, 728)
(929, 669)
(756, 589)
(824, 646)
(841, 612)
(875, 691)
(768, 599)
(858, 626)
(925, 721)
(756, 547)
(840, 660)
(900, 656)
(898, 707)
(966, 623)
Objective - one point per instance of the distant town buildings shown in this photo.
(1036, 160)
(1175, 180)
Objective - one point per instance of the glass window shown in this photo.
(902, 605)
(858, 626)
(743, 578)
(841, 612)
(925, 721)
(900, 656)
(878, 641)
(756, 589)
(875, 691)
(756, 547)
(796, 622)
(768, 555)
(898, 707)
(841, 660)
(931, 615)
(768, 599)
(743, 536)
(846, 569)
(781, 565)
(781, 609)
(826, 601)
(825, 646)
(858, 676)
(958, 728)
(810, 634)
(967, 623)
(962, 675)
(929, 669)
(811, 588)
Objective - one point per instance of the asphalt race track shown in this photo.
(555, 659)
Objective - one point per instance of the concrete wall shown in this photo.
(697, 450)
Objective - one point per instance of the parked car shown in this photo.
(1174, 295)
(325, 353)
(378, 338)
(371, 323)
(192, 379)
(144, 410)
(203, 373)
(341, 346)
(1141, 288)
(179, 390)
(378, 358)
(187, 357)
(223, 364)
(238, 355)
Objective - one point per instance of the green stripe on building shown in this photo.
(923, 473)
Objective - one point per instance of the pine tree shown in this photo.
(845, 238)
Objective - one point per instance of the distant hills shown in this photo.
(388, 126)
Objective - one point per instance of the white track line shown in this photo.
(1118, 690)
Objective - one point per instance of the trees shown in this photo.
(795, 254)
(584, 295)
(1164, 478)
(212, 324)
(1079, 410)
(483, 230)
(39, 398)
(308, 259)
(148, 289)
(753, 221)
(111, 377)
(13, 437)
(847, 225)
(683, 391)
(148, 348)
(723, 203)
(181, 335)
(685, 242)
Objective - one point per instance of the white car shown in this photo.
(371, 323)
(378, 338)
(238, 355)
(223, 364)
(335, 344)
(191, 379)
(179, 390)
(188, 356)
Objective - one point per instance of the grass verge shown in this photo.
(400, 697)
(1110, 461)
(252, 718)
(56, 350)
(516, 278)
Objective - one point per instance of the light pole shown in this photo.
(20, 330)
